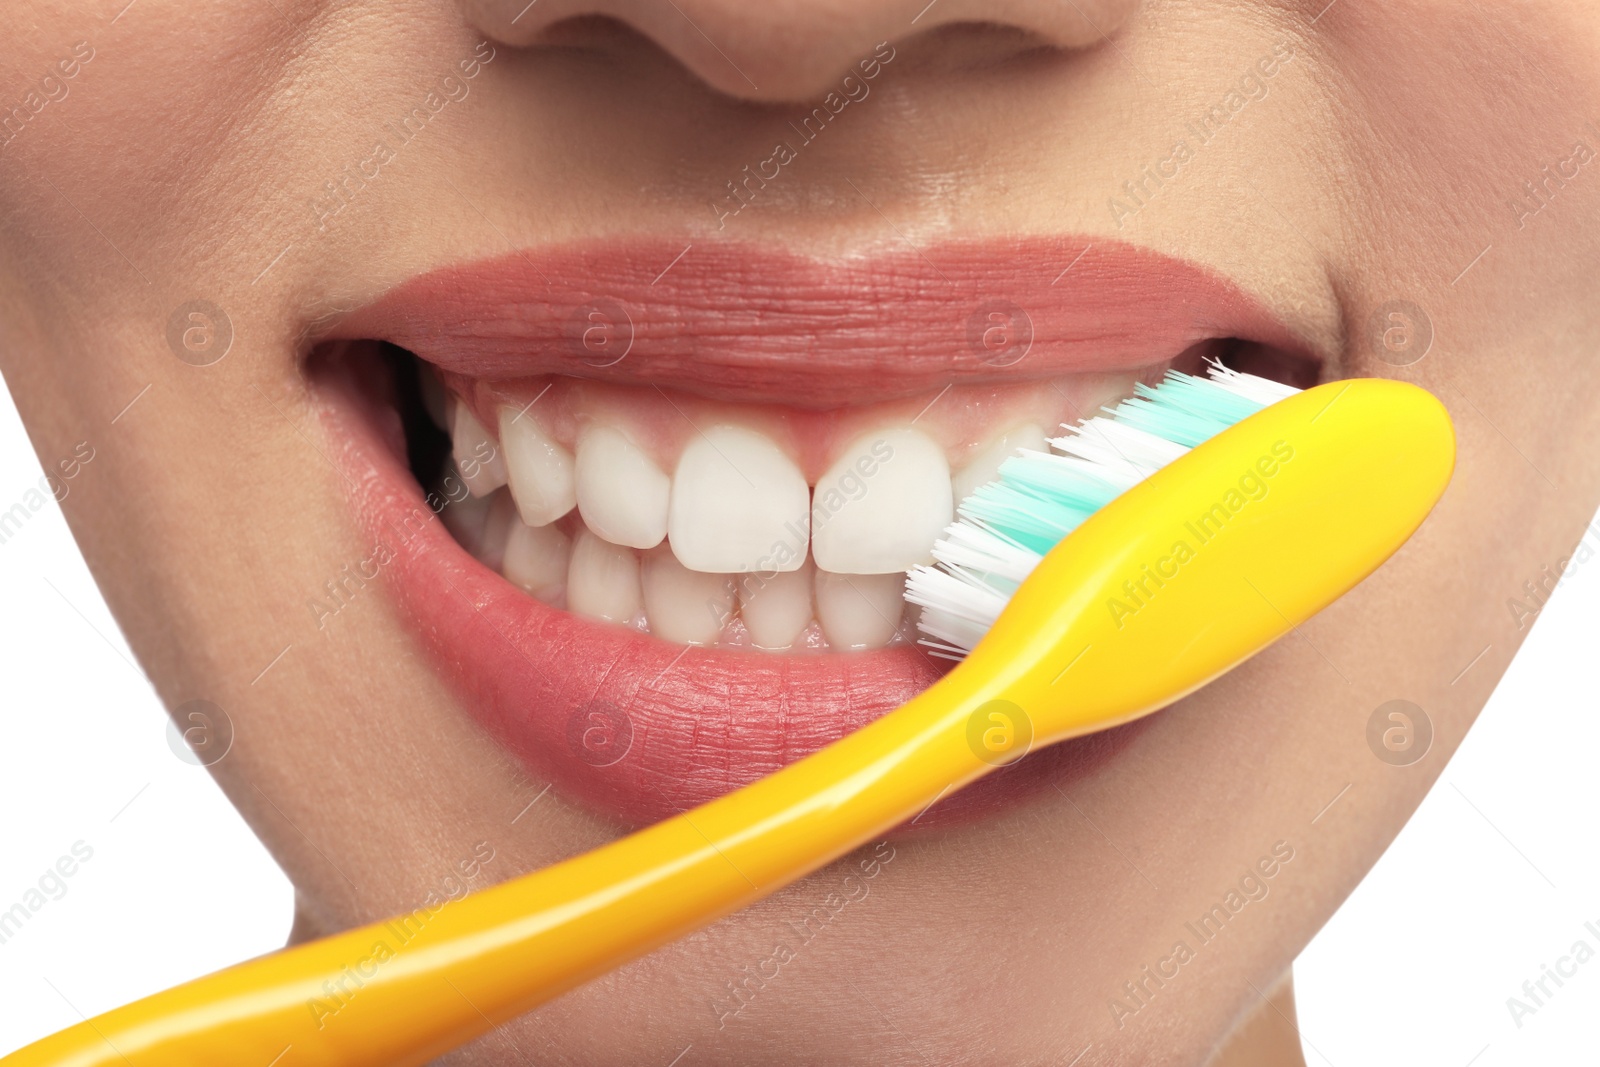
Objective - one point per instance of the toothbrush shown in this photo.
(1007, 525)
(1203, 519)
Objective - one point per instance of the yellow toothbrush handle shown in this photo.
(410, 989)
(1279, 516)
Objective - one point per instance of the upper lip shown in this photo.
(743, 322)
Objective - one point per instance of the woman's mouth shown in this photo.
(677, 494)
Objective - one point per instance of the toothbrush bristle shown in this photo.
(1007, 525)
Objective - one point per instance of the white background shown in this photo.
(1494, 877)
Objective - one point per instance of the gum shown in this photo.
(962, 419)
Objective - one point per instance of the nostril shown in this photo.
(590, 33)
(793, 51)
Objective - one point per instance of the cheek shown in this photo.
(1465, 113)
(1446, 131)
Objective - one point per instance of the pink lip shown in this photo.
(641, 729)
(745, 323)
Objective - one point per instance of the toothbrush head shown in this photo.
(1009, 524)
(1158, 546)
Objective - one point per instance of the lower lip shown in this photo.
(632, 727)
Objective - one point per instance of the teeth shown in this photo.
(435, 400)
(685, 606)
(540, 470)
(622, 495)
(738, 504)
(603, 580)
(536, 558)
(495, 531)
(690, 517)
(466, 518)
(985, 466)
(882, 504)
(776, 608)
(479, 461)
(859, 611)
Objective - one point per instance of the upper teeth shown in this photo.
(736, 531)
(622, 494)
(882, 504)
(477, 457)
(985, 466)
(539, 469)
(738, 504)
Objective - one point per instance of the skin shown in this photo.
(1381, 162)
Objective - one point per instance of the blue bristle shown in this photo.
(1006, 526)
(1184, 409)
(1025, 513)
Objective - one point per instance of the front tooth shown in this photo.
(882, 504)
(540, 470)
(622, 494)
(482, 466)
(536, 558)
(738, 504)
(686, 606)
(603, 580)
(776, 609)
(985, 466)
(859, 611)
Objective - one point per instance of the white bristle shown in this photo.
(1042, 496)
(1263, 391)
(1125, 453)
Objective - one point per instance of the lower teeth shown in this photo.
(568, 566)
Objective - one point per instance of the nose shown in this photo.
(777, 50)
